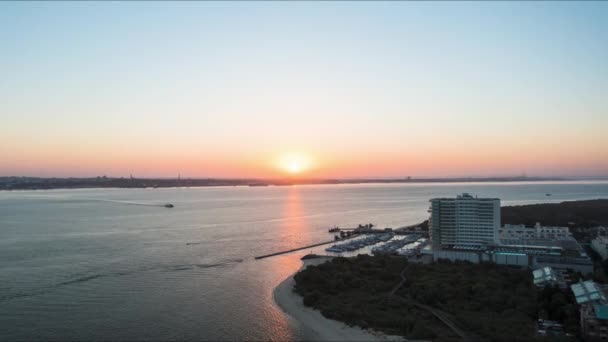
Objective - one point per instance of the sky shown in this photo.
(307, 89)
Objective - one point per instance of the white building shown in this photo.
(600, 245)
(464, 221)
(522, 232)
(546, 276)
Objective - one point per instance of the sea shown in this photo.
(115, 264)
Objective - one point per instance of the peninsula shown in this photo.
(442, 300)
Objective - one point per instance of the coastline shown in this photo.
(15, 183)
(314, 325)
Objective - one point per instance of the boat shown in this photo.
(547, 194)
(334, 249)
(168, 205)
(334, 230)
(406, 252)
(385, 237)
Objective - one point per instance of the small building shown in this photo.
(600, 246)
(588, 292)
(521, 232)
(564, 254)
(577, 263)
(594, 322)
(549, 328)
(547, 276)
(593, 310)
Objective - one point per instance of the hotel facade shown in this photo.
(464, 221)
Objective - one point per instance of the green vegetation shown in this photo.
(499, 303)
(355, 291)
(559, 305)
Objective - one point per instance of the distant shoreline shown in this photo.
(38, 183)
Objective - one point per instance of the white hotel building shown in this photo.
(464, 221)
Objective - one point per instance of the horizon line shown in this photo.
(296, 178)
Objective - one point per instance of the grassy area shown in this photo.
(495, 302)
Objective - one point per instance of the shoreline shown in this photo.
(42, 183)
(315, 326)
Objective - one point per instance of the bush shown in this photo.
(311, 299)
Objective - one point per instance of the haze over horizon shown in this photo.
(304, 89)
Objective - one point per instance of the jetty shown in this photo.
(301, 248)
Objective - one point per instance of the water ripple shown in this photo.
(86, 278)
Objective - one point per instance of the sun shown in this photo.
(294, 163)
(295, 167)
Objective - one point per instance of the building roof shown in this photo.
(470, 247)
(528, 249)
(544, 275)
(601, 311)
(601, 239)
(464, 196)
(588, 291)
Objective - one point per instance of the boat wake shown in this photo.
(80, 199)
(86, 278)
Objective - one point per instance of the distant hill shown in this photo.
(572, 213)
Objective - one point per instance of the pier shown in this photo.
(301, 248)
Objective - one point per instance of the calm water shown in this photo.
(89, 265)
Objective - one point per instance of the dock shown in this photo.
(301, 248)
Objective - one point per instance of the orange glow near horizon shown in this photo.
(427, 162)
(569, 156)
(295, 163)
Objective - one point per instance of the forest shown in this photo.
(488, 301)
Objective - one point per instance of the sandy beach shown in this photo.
(314, 325)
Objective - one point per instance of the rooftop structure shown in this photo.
(534, 253)
(594, 322)
(464, 220)
(588, 292)
(545, 276)
(549, 328)
(601, 311)
(593, 310)
(521, 232)
(600, 246)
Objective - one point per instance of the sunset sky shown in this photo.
(344, 89)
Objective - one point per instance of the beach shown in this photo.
(314, 326)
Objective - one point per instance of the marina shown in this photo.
(360, 243)
(394, 245)
(413, 248)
